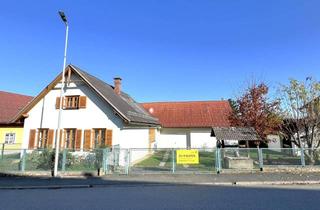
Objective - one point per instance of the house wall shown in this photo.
(200, 138)
(138, 140)
(18, 131)
(177, 138)
(274, 143)
(97, 114)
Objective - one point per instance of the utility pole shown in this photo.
(57, 146)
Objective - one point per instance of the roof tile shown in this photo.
(11, 104)
(191, 114)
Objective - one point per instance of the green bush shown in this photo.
(44, 159)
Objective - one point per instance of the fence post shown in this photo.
(218, 161)
(64, 158)
(23, 160)
(173, 161)
(128, 162)
(104, 161)
(303, 162)
(2, 151)
(260, 159)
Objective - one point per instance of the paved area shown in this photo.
(88, 181)
(161, 197)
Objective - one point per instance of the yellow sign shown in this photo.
(188, 156)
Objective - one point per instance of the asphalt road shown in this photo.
(162, 197)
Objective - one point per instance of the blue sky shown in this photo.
(165, 50)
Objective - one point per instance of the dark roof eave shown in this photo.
(142, 123)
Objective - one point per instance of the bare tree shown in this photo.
(300, 108)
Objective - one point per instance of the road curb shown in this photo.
(44, 187)
(241, 183)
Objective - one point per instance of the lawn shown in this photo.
(206, 159)
(10, 162)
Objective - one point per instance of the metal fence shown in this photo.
(146, 161)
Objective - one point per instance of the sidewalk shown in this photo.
(31, 182)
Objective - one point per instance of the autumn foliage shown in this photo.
(254, 109)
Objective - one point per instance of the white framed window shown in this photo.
(10, 138)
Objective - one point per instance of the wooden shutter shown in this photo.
(32, 138)
(57, 102)
(109, 138)
(78, 139)
(152, 135)
(50, 138)
(82, 102)
(87, 139)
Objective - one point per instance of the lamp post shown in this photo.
(57, 145)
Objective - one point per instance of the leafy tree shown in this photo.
(300, 106)
(254, 109)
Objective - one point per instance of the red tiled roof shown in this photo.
(191, 114)
(11, 104)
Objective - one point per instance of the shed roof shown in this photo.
(235, 133)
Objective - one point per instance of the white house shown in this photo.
(189, 124)
(94, 114)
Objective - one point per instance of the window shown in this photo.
(99, 137)
(72, 102)
(70, 138)
(42, 137)
(10, 138)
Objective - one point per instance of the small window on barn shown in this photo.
(72, 102)
(10, 138)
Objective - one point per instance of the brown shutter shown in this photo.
(50, 138)
(82, 102)
(152, 135)
(87, 140)
(32, 138)
(57, 102)
(78, 139)
(109, 138)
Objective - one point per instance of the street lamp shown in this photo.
(56, 158)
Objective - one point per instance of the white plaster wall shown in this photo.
(138, 140)
(274, 143)
(97, 113)
(172, 138)
(177, 138)
(200, 138)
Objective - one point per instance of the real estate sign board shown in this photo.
(188, 156)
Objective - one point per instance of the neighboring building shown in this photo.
(236, 136)
(11, 134)
(95, 114)
(188, 124)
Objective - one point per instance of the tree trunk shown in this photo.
(310, 155)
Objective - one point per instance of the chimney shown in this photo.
(117, 85)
